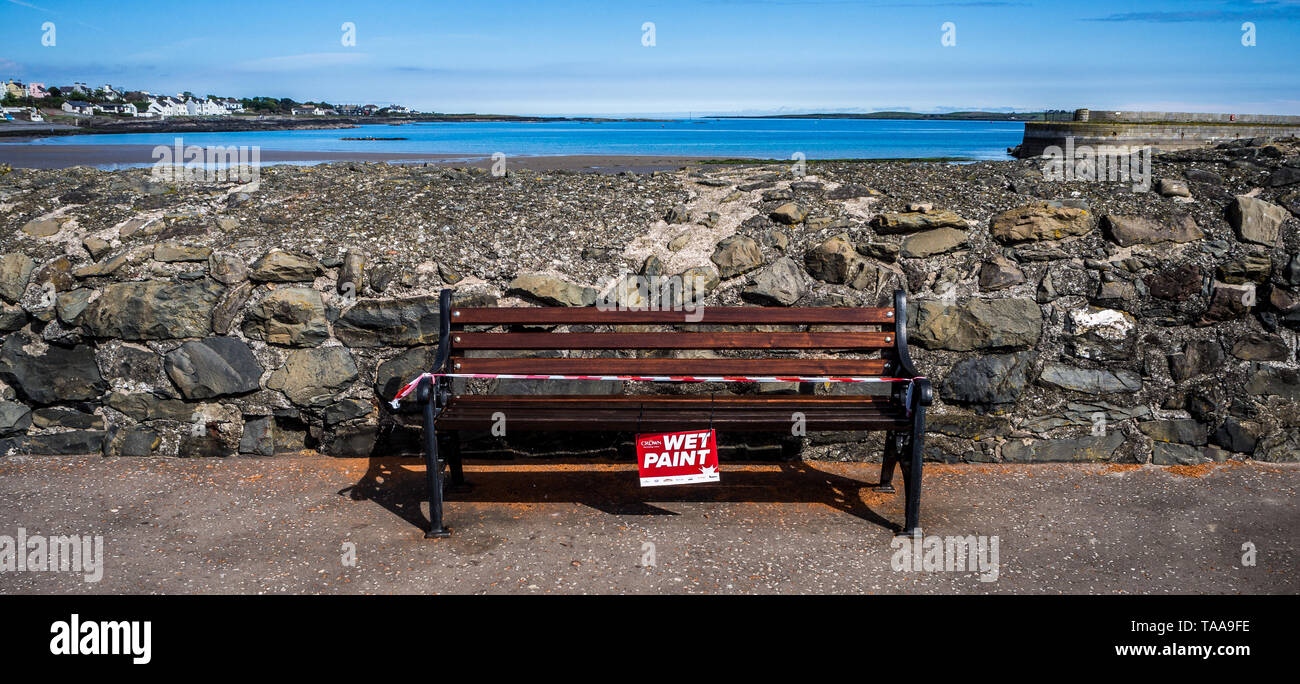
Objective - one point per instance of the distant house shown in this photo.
(166, 106)
(369, 110)
(349, 110)
(399, 109)
(232, 105)
(37, 91)
(125, 108)
(79, 107)
(312, 110)
(204, 108)
(108, 93)
(15, 88)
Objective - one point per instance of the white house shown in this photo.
(232, 105)
(79, 107)
(119, 108)
(204, 108)
(166, 106)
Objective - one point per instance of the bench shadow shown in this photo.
(398, 485)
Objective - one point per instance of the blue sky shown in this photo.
(709, 56)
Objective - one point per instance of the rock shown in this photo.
(1091, 413)
(15, 272)
(1230, 301)
(884, 251)
(1254, 267)
(96, 246)
(1041, 221)
(781, 284)
(213, 367)
(679, 243)
(392, 374)
(278, 266)
(1236, 436)
(63, 417)
(259, 437)
(1089, 380)
(1279, 447)
(14, 418)
(837, 261)
(999, 273)
(136, 441)
(43, 227)
(345, 410)
(1260, 347)
(779, 195)
(1284, 175)
(848, 191)
(1169, 187)
(1175, 284)
(227, 268)
(48, 374)
(967, 425)
(293, 316)
(697, 283)
(914, 221)
(988, 380)
(1202, 176)
(1256, 220)
(448, 274)
(69, 305)
(170, 252)
(789, 213)
(231, 304)
(353, 272)
(73, 443)
(737, 255)
(1091, 448)
(1182, 431)
(391, 322)
(552, 291)
(1100, 334)
(677, 214)
(1135, 230)
(1163, 453)
(311, 377)
(103, 268)
(976, 324)
(1266, 380)
(143, 406)
(153, 310)
(932, 242)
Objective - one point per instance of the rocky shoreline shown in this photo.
(1060, 321)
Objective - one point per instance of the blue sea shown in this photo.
(722, 138)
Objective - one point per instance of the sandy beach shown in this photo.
(36, 156)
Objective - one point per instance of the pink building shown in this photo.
(36, 90)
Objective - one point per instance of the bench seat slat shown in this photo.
(738, 315)
(572, 366)
(675, 340)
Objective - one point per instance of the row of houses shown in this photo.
(114, 101)
(158, 106)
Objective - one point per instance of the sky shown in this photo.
(563, 57)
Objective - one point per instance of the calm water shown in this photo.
(756, 138)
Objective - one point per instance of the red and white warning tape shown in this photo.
(410, 386)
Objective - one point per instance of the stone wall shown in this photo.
(1098, 115)
(1059, 321)
(1164, 136)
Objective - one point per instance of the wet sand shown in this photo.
(26, 155)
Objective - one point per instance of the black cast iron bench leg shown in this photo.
(893, 445)
(912, 473)
(433, 469)
(456, 465)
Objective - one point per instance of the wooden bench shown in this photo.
(900, 413)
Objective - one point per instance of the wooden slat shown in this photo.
(605, 366)
(672, 419)
(711, 340)
(579, 401)
(730, 315)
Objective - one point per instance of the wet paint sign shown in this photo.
(677, 458)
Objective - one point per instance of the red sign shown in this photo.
(677, 458)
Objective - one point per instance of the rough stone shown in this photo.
(227, 268)
(353, 273)
(933, 242)
(789, 213)
(837, 261)
(293, 316)
(1091, 448)
(999, 273)
(916, 221)
(1089, 380)
(780, 283)
(1041, 221)
(144, 406)
(311, 377)
(1136, 230)
(63, 417)
(992, 379)
(976, 324)
(15, 272)
(1256, 220)
(1273, 380)
(279, 266)
(1260, 347)
(213, 367)
(345, 410)
(15, 417)
(551, 291)
(1199, 357)
(390, 322)
(170, 252)
(737, 255)
(50, 374)
(259, 437)
(1182, 431)
(153, 310)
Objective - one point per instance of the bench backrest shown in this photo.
(496, 328)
